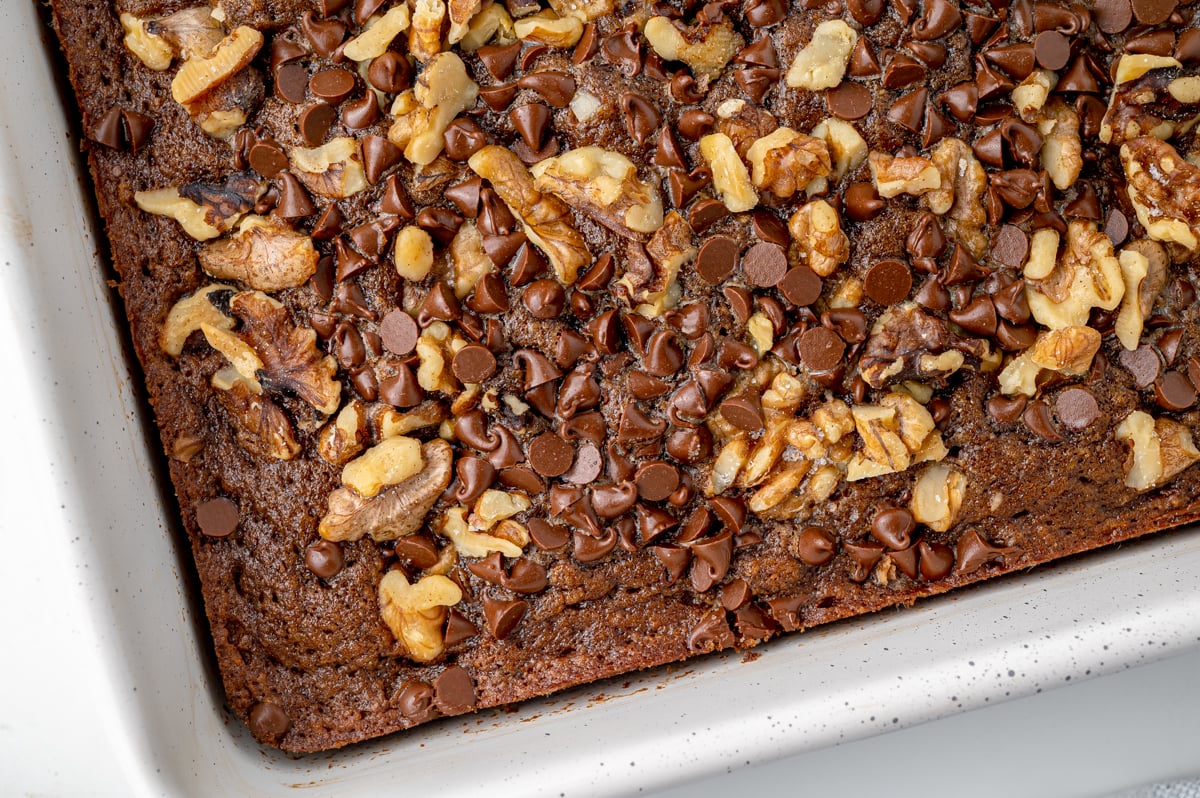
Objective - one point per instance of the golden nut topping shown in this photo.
(1144, 269)
(1031, 93)
(425, 36)
(605, 185)
(265, 254)
(1086, 276)
(908, 175)
(895, 434)
(547, 219)
(471, 543)
(191, 32)
(203, 210)
(1159, 450)
(847, 148)
(345, 436)
(784, 161)
(821, 63)
(1164, 190)
(1062, 151)
(817, 231)
(201, 74)
(190, 313)
(332, 170)
(379, 33)
(468, 258)
(1068, 350)
(153, 51)
(461, 12)
(703, 47)
(390, 462)
(547, 27)
(263, 429)
(397, 509)
(416, 613)
(730, 177)
(937, 496)
(583, 10)
(443, 91)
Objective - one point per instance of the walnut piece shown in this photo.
(730, 177)
(1031, 93)
(461, 12)
(1062, 151)
(412, 253)
(937, 496)
(906, 342)
(959, 199)
(265, 254)
(470, 260)
(435, 354)
(727, 465)
(191, 32)
(583, 10)
(1144, 269)
(396, 510)
(153, 51)
(492, 22)
(821, 64)
(332, 170)
(1164, 189)
(906, 175)
(847, 150)
(706, 48)
(1088, 275)
(605, 185)
(896, 433)
(201, 74)
(416, 613)
(817, 231)
(425, 35)
(190, 312)
(1159, 450)
(390, 462)
(1142, 102)
(263, 429)
(784, 161)
(546, 27)
(744, 123)
(1067, 350)
(443, 91)
(669, 249)
(203, 210)
(547, 219)
(344, 436)
(292, 362)
(494, 506)
(379, 33)
(471, 543)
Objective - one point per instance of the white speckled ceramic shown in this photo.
(1023, 634)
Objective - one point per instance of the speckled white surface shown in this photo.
(89, 496)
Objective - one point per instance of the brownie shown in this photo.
(498, 347)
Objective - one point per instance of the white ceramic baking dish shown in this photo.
(1088, 616)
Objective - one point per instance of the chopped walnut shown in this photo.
(1142, 102)
(727, 465)
(766, 452)
(292, 362)
(470, 260)
(847, 149)
(1062, 151)
(443, 90)
(1144, 269)
(669, 249)
(492, 22)
(893, 432)
(332, 170)
(264, 253)
(425, 34)
(706, 48)
(1159, 450)
(1031, 93)
(434, 351)
(460, 13)
(1088, 275)
(937, 496)
(817, 231)
(1067, 350)
(784, 161)
(378, 34)
(189, 313)
(780, 486)
(345, 435)
(416, 613)
(821, 64)
(389, 422)
(494, 506)
(471, 543)
(390, 462)
(730, 177)
(191, 32)
(744, 123)
(583, 10)
(203, 210)
(547, 219)
(907, 175)
(243, 360)
(605, 185)
(546, 27)
(412, 253)
(396, 510)
(960, 196)
(201, 74)
(1164, 190)
(906, 342)
(153, 51)
(262, 427)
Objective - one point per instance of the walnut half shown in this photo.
(604, 184)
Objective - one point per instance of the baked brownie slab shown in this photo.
(498, 347)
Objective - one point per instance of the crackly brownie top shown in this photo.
(588, 278)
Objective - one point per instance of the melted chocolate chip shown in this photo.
(217, 518)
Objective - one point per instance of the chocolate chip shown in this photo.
(765, 264)
(217, 518)
(1006, 409)
(849, 100)
(763, 13)
(294, 202)
(1174, 391)
(717, 259)
(379, 155)
(821, 349)
(893, 527)
(864, 555)
(557, 88)
(1142, 363)
(710, 561)
(332, 85)
(1037, 419)
(901, 71)
(705, 213)
(936, 560)
(587, 467)
(978, 316)
(268, 722)
(866, 12)
(390, 73)
(1076, 408)
(801, 285)
(550, 455)
(908, 111)
(454, 690)
(545, 299)
(463, 138)
(361, 113)
(1116, 227)
(499, 60)
(1052, 50)
(656, 481)
(863, 63)
(1010, 246)
(973, 552)
(888, 282)
(862, 203)
(743, 411)
(1153, 12)
(815, 546)
(291, 83)
(532, 122)
(694, 123)
(324, 558)
(473, 364)
(641, 117)
(399, 331)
